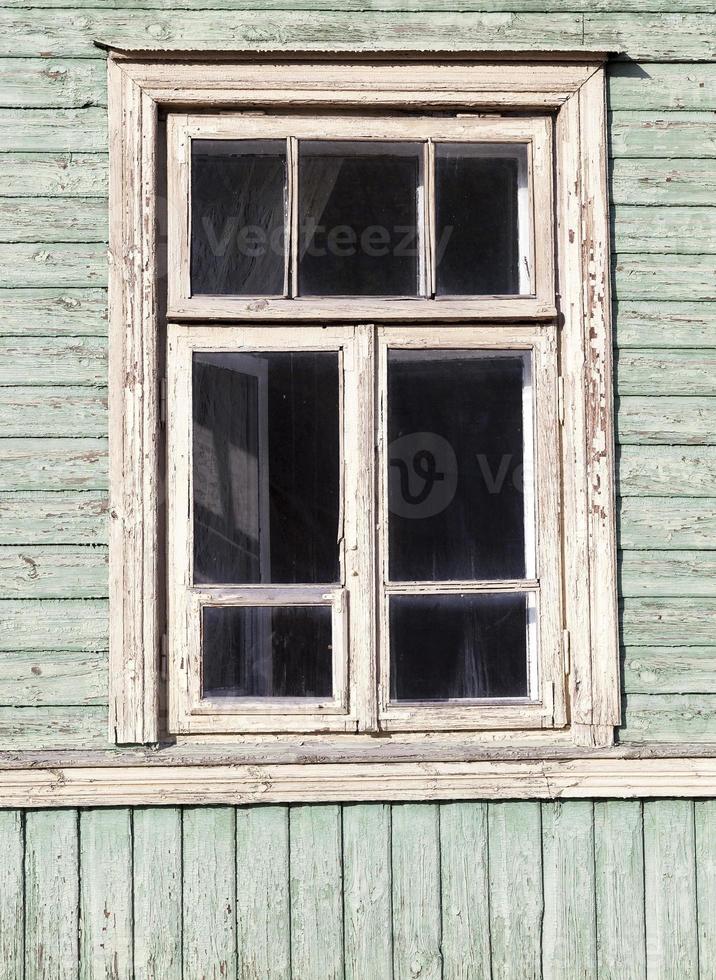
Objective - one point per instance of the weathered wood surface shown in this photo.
(666, 182)
(52, 361)
(667, 420)
(669, 717)
(12, 897)
(367, 900)
(41, 83)
(57, 412)
(78, 518)
(705, 854)
(50, 131)
(679, 670)
(669, 622)
(668, 277)
(663, 323)
(396, 7)
(53, 464)
(662, 86)
(653, 373)
(54, 311)
(157, 893)
(683, 230)
(106, 942)
(53, 219)
(52, 677)
(667, 523)
(668, 573)
(59, 264)
(663, 471)
(53, 572)
(668, 134)
(50, 624)
(33, 175)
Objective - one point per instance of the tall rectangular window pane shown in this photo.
(266, 480)
(456, 465)
(358, 218)
(238, 217)
(481, 219)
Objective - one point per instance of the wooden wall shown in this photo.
(512, 891)
(53, 399)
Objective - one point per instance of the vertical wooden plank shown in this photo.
(157, 851)
(51, 895)
(516, 901)
(670, 884)
(568, 933)
(12, 897)
(619, 868)
(209, 893)
(263, 914)
(367, 891)
(416, 892)
(106, 894)
(465, 891)
(705, 819)
(316, 900)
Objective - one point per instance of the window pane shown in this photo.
(358, 219)
(266, 467)
(267, 651)
(479, 241)
(458, 646)
(238, 206)
(456, 459)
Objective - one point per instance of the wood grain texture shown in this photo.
(684, 230)
(209, 893)
(12, 895)
(670, 889)
(49, 677)
(665, 523)
(53, 464)
(397, 7)
(662, 86)
(73, 265)
(465, 898)
(106, 914)
(516, 896)
(49, 624)
(619, 878)
(31, 729)
(50, 131)
(367, 898)
(669, 622)
(157, 893)
(644, 134)
(667, 471)
(670, 277)
(50, 219)
(660, 323)
(51, 311)
(316, 899)
(416, 892)
(705, 854)
(670, 670)
(58, 412)
(53, 573)
(30, 83)
(668, 419)
(568, 935)
(51, 895)
(681, 574)
(263, 913)
(667, 182)
(34, 175)
(669, 718)
(656, 373)
(53, 518)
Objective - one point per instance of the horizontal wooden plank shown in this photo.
(56, 412)
(669, 622)
(77, 518)
(53, 361)
(53, 572)
(50, 131)
(669, 718)
(647, 134)
(54, 175)
(685, 230)
(665, 421)
(667, 573)
(668, 182)
(39, 82)
(667, 523)
(53, 219)
(53, 464)
(651, 36)
(52, 677)
(54, 265)
(661, 323)
(56, 727)
(393, 6)
(670, 670)
(53, 311)
(663, 471)
(667, 277)
(662, 86)
(54, 624)
(666, 372)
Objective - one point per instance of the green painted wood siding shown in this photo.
(614, 890)
(53, 344)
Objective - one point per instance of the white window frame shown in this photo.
(572, 89)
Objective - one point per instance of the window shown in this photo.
(386, 441)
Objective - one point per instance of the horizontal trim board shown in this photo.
(383, 6)
(672, 670)
(646, 133)
(137, 786)
(666, 471)
(53, 677)
(53, 572)
(42, 518)
(664, 523)
(664, 324)
(52, 311)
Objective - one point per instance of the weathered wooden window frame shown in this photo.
(569, 87)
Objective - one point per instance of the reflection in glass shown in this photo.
(269, 651)
(479, 189)
(458, 646)
(266, 479)
(456, 464)
(358, 218)
(238, 208)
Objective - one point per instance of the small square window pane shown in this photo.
(266, 479)
(358, 218)
(481, 219)
(267, 651)
(238, 217)
(458, 474)
(445, 647)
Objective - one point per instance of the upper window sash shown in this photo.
(432, 136)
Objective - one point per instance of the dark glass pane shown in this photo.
(266, 467)
(267, 651)
(238, 204)
(455, 459)
(358, 219)
(477, 240)
(458, 646)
